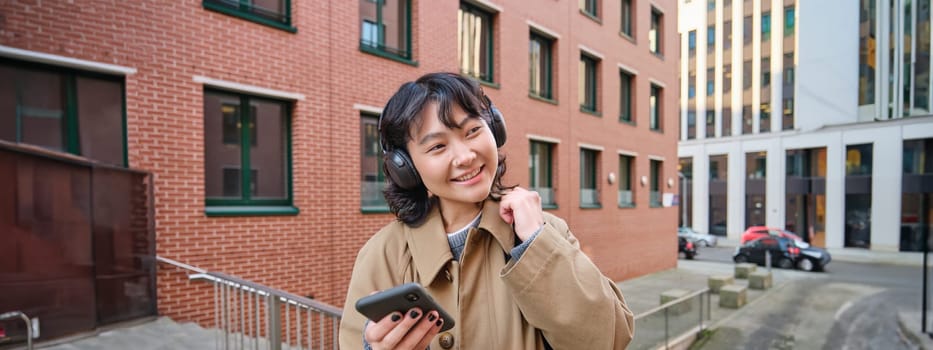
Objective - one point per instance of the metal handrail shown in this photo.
(21, 315)
(670, 303)
(704, 315)
(264, 291)
(242, 308)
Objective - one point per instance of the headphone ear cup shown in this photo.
(497, 125)
(401, 170)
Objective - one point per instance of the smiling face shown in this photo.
(458, 165)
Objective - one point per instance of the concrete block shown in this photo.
(744, 269)
(760, 280)
(732, 296)
(674, 294)
(717, 282)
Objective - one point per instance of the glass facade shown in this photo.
(858, 196)
(686, 192)
(756, 174)
(789, 67)
(805, 204)
(718, 194)
(917, 194)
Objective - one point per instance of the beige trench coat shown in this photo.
(553, 290)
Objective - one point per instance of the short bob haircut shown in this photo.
(401, 113)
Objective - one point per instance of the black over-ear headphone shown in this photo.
(401, 170)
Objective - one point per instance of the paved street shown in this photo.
(851, 305)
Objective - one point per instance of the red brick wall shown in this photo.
(169, 42)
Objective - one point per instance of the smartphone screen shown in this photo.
(401, 298)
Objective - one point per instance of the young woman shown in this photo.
(510, 275)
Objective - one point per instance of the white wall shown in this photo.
(827, 72)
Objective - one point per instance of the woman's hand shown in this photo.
(522, 209)
(412, 330)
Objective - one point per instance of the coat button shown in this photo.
(446, 340)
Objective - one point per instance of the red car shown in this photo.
(756, 232)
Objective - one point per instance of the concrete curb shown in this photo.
(763, 296)
(910, 333)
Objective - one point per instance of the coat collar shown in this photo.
(430, 250)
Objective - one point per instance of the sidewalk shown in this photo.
(643, 293)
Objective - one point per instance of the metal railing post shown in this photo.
(275, 327)
(667, 336)
(22, 316)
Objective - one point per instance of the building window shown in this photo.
(727, 35)
(692, 42)
(747, 119)
(691, 86)
(588, 84)
(691, 124)
(392, 22)
(541, 172)
(627, 85)
(475, 42)
(916, 194)
(726, 80)
(654, 108)
(747, 30)
(275, 13)
(710, 36)
(246, 132)
(685, 209)
(710, 82)
(718, 194)
(655, 193)
(626, 175)
(656, 32)
(63, 110)
(590, 7)
(789, 20)
(766, 26)
(858, 196)
(627, 22)
(372, 177)
(755, 192)
(589, 192)
(539, 55)
(868, 20)
(710, 124)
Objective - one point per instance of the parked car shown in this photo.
(686, 247)
(698, 238)
(786, 253)
(756, 232)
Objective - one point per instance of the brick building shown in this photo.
(589, 91)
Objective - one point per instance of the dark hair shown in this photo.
(401, 113)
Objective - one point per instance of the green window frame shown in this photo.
(475, 45)
(540, 72)
(589, 186)
(627, 23)
(239, 191)
(626, 176)
(656, 32)
(626, 93)
(589, 89)
(372, 174)
(655, 194)
(590, 8)
(393, 40)
(541, 172)
(654, 108)
(46, 110)
(280, 18)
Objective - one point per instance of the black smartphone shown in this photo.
(401, 298)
